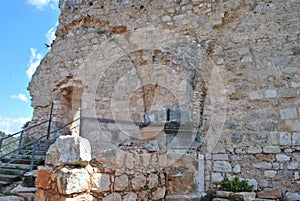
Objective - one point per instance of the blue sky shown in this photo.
(26, 25)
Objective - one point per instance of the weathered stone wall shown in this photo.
(247, 64)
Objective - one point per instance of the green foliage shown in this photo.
(156, 170)
(146, 187)
(236, 185)
(100, 32)
(210, 195)
(8, 193)
(25, 125)
(90, 3)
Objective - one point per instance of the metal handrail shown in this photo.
(35, 143)
(26, 129)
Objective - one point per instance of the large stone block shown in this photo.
(43, 179)
(69, 150)
(121, 182)
(296, 138)
(270, 193)
(271, 149)
(71, 181)
(222, 166)
(113, 197)
(101, 182)
(138, 182)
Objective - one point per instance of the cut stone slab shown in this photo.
(11, 198)
(270, 193)
(292, 196)
(21, 189)
(220, 199)
(246, 196)
(69, 150)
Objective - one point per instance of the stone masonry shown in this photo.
(230, 68)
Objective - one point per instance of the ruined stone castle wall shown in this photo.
(240, 56)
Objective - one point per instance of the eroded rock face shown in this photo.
(69, 150)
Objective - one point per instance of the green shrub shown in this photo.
(236, 185)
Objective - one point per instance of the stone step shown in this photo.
(4, 183)
(9, 178)
(191, 197)
(12, 171)
(36, 157)
(41, 153)
(17, 166)
(24, 161)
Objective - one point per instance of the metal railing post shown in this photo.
(32, 155)
(49, 124)
(21, 139)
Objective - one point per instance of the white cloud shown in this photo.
(50, 35)
(10, 126)
(34, 62)
(21, 97)
(41, 4)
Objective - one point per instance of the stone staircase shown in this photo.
(14, 171)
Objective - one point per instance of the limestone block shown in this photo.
(71, 181)
(220, 199)
(246, 196)
(293, 125)
(271, 93)
(121, 182)
(100, 182)
(288, 113)
(220, 157)
(43, 179)
(270, 193)
(22, 189)
(288, 93)
(216, 177)
(85, 197)
(130, 197)
(152, 181)
(282, 157)
(285, 138)
(270, 173)
(263, 183)
(255, 95)
(252, 182)
(11, 198)
(296, 139)
(271, 149)
(113, 197)
(138, 182)
(69, 150)
(292, 196)
(292, 166)
(254, 150)
(159, 193)
(221, 166)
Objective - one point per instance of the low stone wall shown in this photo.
(91, 183)
(71, 175)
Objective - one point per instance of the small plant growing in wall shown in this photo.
(146, 187)
(236, 185)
